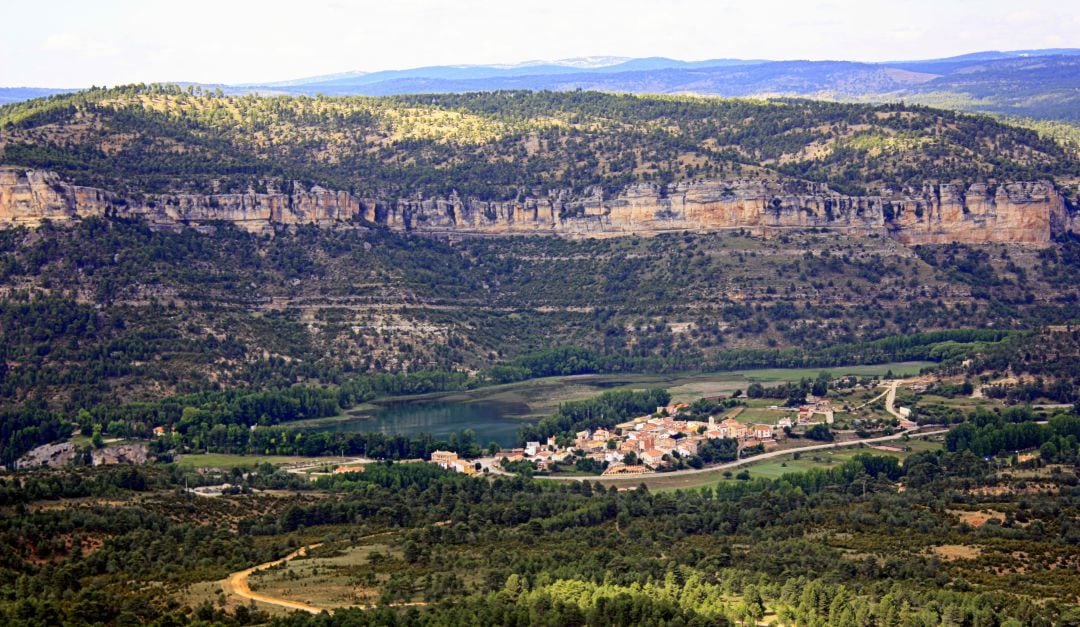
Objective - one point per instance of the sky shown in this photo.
(78, 43)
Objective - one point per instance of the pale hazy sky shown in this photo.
(77, 43)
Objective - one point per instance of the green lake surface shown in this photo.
(492, 421)
(496, 412)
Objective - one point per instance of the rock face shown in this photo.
(30, 197)
(1022, 212)
(56, 455)
(123, 454)
(60, 454)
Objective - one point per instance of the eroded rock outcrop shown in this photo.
(1023, 212)
(60, 454)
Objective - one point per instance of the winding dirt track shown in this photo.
(237, 583)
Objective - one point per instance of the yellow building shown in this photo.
(443, 458)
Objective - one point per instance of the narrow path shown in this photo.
(885, 393)
(237, 583)
(746, 460)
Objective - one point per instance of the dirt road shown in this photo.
(297, 470)
(237, 583)
(891, 389)
(890, 401)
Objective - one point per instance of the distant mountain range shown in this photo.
(19, 94)
(1042, 84)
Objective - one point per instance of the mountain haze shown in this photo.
(1034, 83)
(1041, 84)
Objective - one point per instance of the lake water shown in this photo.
(496, 413)
(491, 421)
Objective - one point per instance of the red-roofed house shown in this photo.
(653, 457)
(735, 429)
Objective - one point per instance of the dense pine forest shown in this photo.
(867, 543)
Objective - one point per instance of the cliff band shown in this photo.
(1018, 212)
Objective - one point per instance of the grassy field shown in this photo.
(959, 402)
(222, 460)
(764, 416)
(776, 467)
(899, 369)
(693, 387)
(849, 399)
(339, 580)
(536, 398)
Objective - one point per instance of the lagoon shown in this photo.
(492, 421)
(496, 412)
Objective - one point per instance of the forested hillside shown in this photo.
(945, 539)
(112, 310)
(109, 312)
(504, 145)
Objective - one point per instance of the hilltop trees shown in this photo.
(499, 146)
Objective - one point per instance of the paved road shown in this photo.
(748, 460)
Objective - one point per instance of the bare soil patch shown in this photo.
(979, 518)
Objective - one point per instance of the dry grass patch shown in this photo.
(1011, 490)
(951, 552)
(339, 580)
(979, 518)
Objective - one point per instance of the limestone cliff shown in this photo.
(1023, 212)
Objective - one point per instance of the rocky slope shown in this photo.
(1019, 212)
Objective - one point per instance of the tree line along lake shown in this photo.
(495, 413)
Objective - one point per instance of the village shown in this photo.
(675, 437)
(647, 443)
